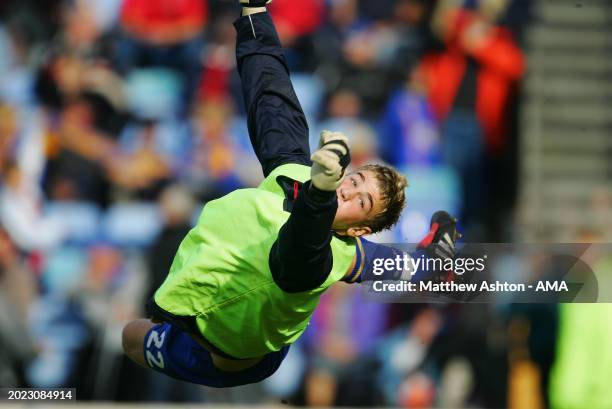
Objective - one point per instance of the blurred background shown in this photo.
(119, 119)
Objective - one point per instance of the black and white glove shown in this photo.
(440, 241)
(254, 3)
(330, 161)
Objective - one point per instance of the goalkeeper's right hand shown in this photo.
(440, 241)
(254, 3)
(330, 161)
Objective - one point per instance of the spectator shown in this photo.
(412, 37)
(409, 131)
(75, 167)
(177, 206)
(21, 215)
(342, 23)
(84, 108)
(164, 33)
(339, 347)
(380, 10)
(142, 167)
(294, 22)
(370, 57)
(18, 292)
(344, 115)
(219, 61)
(469, 85)
(78, 61)
(402, 377)
(217, 163)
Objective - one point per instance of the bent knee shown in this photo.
(132, 339)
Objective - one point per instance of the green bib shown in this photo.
(220, 273)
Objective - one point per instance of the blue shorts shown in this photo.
(175, 353)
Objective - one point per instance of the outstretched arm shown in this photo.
(301, 259)
(378, 261)
(370, 260)
(277, 126)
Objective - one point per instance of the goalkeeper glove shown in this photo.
(330, 161)
(440, 241)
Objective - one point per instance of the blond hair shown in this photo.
(392, 185)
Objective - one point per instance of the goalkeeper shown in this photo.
(245, 281)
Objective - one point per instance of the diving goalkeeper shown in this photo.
(246, 279)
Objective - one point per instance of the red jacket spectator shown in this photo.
(500, 65)
(293, 20)
(164, 22)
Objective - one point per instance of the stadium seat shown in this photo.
(80, 219)
(132, 224)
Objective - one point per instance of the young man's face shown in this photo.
(359, 200)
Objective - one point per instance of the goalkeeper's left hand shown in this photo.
(440, 241)
(330, 160)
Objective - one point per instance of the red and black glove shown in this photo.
(440, 241)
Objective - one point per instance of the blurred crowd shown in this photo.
(119, 119)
